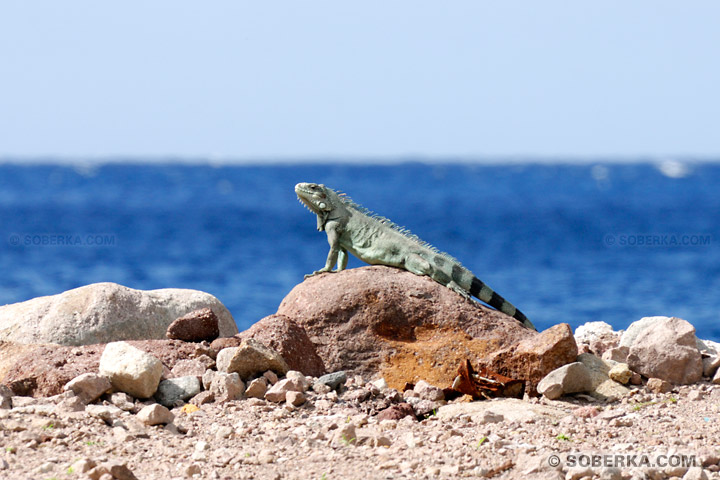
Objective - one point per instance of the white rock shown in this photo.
(300, 378)
(380, 383)
(88, 386)
(155, 414)
(227, 387)
(570, 378)
(256, 388)
(249, 359)
(428, 392)
(295, 398)
(666, 348)
(599, 336)
(277, 392)
(131, 370)
(695, 473)
(104, 313)
(617, 354)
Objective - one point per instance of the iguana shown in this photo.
(378, 241)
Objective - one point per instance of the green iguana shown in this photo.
(378, 241)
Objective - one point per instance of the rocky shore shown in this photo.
(358, 375)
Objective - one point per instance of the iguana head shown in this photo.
(317, 197)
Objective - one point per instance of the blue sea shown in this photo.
(564, 243)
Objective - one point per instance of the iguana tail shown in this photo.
(479, 290)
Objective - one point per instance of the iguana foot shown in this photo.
(318, 272)
(459, 290)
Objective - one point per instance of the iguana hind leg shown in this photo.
(414, 263)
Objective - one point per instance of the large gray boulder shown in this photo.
(103, 313)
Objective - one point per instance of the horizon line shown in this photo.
(221, 160)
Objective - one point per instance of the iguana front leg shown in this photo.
(336, 252)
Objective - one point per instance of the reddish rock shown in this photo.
(288, 339)
(44, 370)
(532, 359)
(396, 412)
(195, 367)
(202, 398)
(225, 342)
(196, 326)
(407, 327)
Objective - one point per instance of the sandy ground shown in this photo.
(643, 436)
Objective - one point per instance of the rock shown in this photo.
(271, 377)
(658, 385)
(333, 380)
(88, 386)
(294, 398)
(345, 435)
(257, 388)
(155, 414)
(107, 413)
(636, 379)
(123, 401)
(620, 373)
(202, 398)
(602, 386)
(628, 336)
(617, 354)
(397, 412)
(192, 367)
(695, 395)
(249, 359)
(428, 392)
(227, 387)
(571, 378)
(512, 410)
(174, 391)
(5, 397)
(195, 326)
(43, 370)
(131, 370)
(489, 416)
(710, 365)
(103, 313)
(277, 392)
(716, 377)
(532, 359)
(406, 327)
(119, 471)
(301, 379)
(290, 340)
(82, 466)
(598, 336)
(225, 342)
(695, 473)
(665, 348)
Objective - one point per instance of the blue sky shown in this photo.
(292, 80)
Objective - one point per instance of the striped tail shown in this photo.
(479, 290)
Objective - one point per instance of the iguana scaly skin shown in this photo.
(378, 241)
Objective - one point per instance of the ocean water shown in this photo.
(564, 243)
